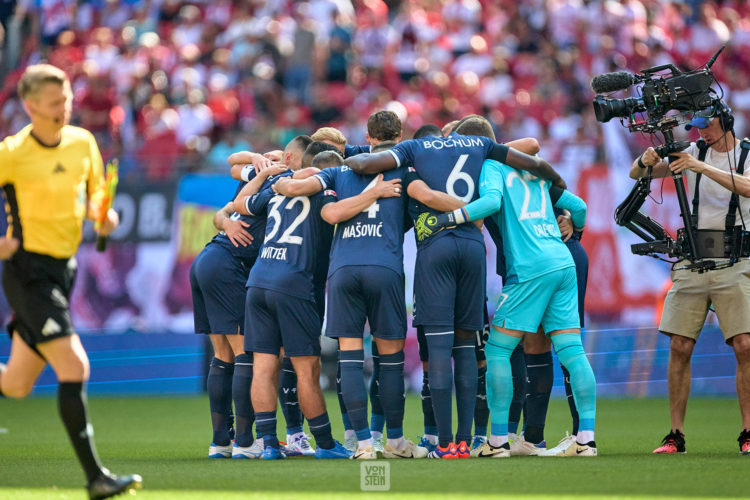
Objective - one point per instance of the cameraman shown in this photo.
(713, 158)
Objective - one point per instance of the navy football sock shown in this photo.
(571, 399)
(392, 392)
(481, 410)
(518, 367)
(342, 406)
(440, 347)
(320, 427)
(219, 386)
(465, 360)
(243, 407)
(540, 376)
(377, 418)
(265, 424)
(71, 401)
(288, 397)
(430, 427)
(353, 390)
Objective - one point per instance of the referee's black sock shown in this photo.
(71, 400)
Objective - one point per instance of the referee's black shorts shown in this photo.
(38, 289)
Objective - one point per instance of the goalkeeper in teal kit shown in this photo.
(540, 290)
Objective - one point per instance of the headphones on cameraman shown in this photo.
(724, 113)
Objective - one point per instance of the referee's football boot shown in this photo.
(674, 442)
(107, 485)
(744, 441)
(486, 450)
(579, 450)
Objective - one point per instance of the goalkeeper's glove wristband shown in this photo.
(448, 219)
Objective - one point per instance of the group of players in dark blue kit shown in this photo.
(317, 230)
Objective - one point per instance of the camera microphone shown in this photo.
(610, 82)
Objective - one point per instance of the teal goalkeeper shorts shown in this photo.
(550, 300)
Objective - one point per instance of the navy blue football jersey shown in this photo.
(295, 242)
(449, 164)
(353, 150)
(257, 229)
(373, 237)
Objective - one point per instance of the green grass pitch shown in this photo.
(166, 441)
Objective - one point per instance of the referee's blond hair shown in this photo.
(36, 76)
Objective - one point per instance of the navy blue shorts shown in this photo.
(360, 293)
(449, 284)
(218, 282)
(274, 320)
(582, 271)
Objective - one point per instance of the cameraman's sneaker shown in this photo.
(299, 445)
(744, 441)
(579, 450)
(561, 446)
(521, 447)
(410, 450)
(486, 450)
(674, 442)
(216, 451)
(252, 452)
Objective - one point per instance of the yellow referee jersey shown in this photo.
(47, 188)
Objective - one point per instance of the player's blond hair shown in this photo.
(331, 134)
(36, 76)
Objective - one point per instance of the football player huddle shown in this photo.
(317, 230)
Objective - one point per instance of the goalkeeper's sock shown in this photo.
(241, 381)
(583, 383)
(219, 387)
(499, 383)
(540, 377)
(571, 400)
(440, 347)
(265, 424)
(288, 398)
(518, 369)
(465, 379)
(481, 410)
(353, 390)
(392, 393)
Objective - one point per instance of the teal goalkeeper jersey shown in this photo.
(521, 206)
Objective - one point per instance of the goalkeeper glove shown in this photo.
(428, 225)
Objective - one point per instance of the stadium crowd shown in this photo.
(173, 87)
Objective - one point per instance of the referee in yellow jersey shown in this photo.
(52, 178)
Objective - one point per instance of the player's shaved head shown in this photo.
(300, 143)
(382, 146)
(313, 149)
(475, 125)
(427, 130)
(327, 159)
(295, 150)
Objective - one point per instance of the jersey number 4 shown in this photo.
(372, 210)
(287, 236)
(525, 213)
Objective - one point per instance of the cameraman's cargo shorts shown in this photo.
(687, 303)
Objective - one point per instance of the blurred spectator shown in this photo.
(230, 141)
(195, 119)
